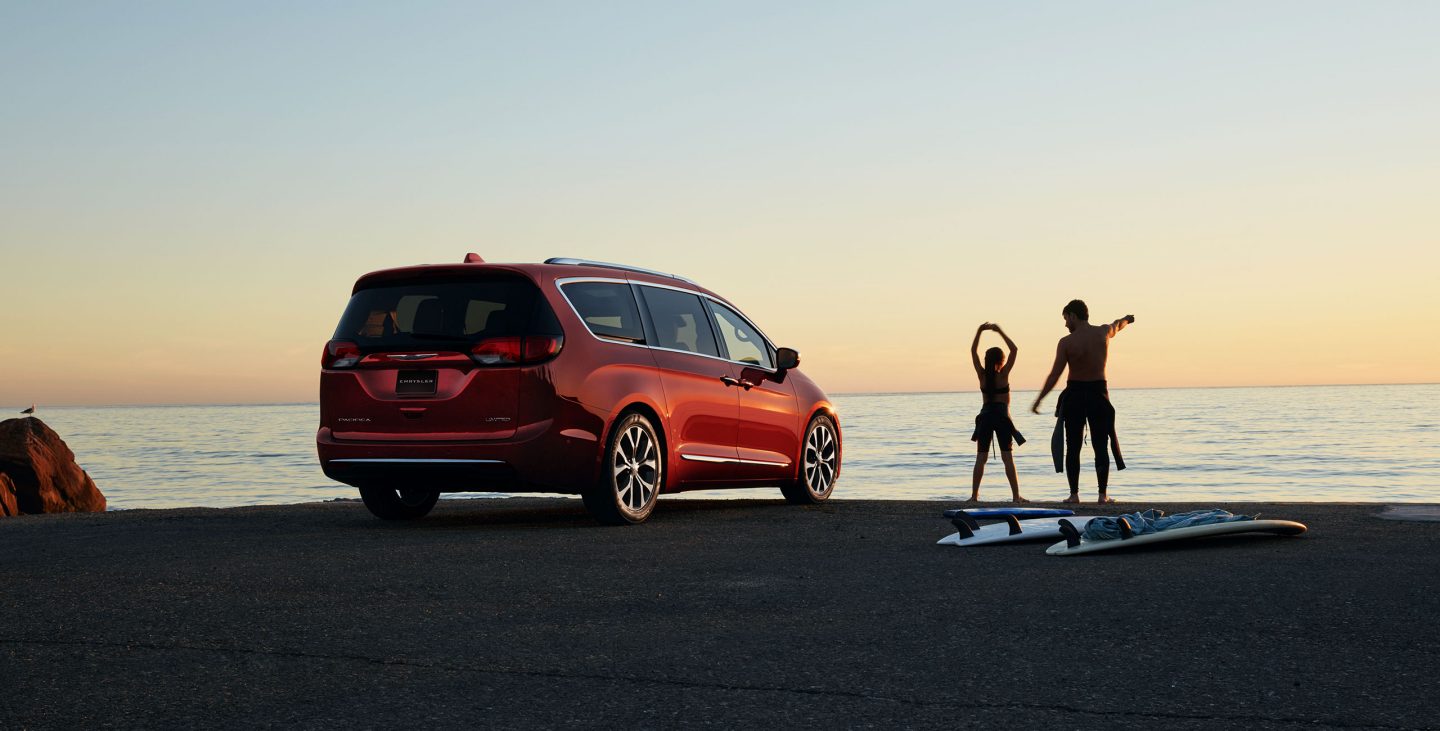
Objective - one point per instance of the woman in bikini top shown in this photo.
(993, 423)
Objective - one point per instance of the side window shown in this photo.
(608, 309)
(680, 321)
(742, 341)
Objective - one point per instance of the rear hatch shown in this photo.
(434, 358)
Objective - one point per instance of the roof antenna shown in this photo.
(473, 258)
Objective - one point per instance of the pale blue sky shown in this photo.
(168, 166)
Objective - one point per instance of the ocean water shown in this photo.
(1328, 443)
(1301, 444)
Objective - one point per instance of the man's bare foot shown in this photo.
(1074, 498)
(1104, 500)
(1018, 499)
(973, 499)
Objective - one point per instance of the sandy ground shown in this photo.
(513, 613)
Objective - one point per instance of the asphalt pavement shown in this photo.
(740, 613)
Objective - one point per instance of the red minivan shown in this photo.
(572, 376)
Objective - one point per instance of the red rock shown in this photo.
(38, 470)
(7, 497)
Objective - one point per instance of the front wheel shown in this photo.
(630, 475)
(391, 503)
(819, 463)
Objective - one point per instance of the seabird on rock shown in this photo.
(30, 410)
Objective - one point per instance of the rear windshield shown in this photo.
(408, 314)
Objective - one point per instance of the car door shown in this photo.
(768, 434)
(702, 390)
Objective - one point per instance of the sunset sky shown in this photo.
(188, 190)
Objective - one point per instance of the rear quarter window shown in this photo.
(607, 309)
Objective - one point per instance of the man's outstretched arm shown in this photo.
(1118, 325)
(1053, 378)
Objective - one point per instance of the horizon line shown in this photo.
(181, 404)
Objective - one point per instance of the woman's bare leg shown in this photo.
(980, 458)
(1009, 459)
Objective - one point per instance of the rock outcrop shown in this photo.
(7, 497)
(38, 473)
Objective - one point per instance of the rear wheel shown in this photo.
(819, 463)
(631, 474)
(398, 504)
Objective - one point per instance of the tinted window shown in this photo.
(680, 321)
(440, 311)
(608, 309)
(743, 342)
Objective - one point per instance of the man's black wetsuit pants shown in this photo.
(1087, 402)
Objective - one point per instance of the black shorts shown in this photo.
(994, 422)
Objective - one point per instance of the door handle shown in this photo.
(728, 381)
(747, 385)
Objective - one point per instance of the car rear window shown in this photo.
(607, 308)
(444, 311)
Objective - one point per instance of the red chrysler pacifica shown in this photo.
(571, 376)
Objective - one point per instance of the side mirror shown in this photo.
(786, 358)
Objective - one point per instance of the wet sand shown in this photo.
(715, 613)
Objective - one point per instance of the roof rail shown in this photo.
(607, 265)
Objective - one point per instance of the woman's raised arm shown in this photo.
(975, 348)
(1009, 361)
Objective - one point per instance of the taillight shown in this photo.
(340, 354)
(497, 351)
(542, 347)
(515, 350)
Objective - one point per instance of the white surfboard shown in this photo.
(1279, 527)
(1018, 531)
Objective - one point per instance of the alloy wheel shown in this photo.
(821, 459)
(635, 470)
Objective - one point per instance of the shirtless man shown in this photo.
(1086, 399)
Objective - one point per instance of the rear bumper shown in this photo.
(540, 458)
(445, 475)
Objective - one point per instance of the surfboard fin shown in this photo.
(1014, 524)
(1072, 536)
(964, 530)
(1126, 532)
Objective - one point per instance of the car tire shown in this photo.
(390, 503)
(632, 473)
(819, 463)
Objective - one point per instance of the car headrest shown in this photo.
(429, 317)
